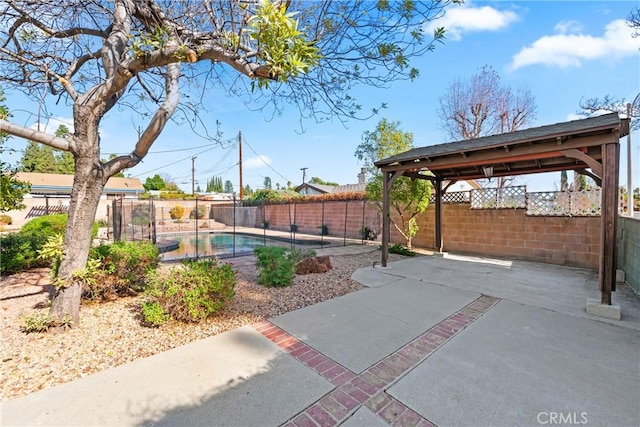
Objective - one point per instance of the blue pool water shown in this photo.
(221, 244)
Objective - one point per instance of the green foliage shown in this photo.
(214, 185)
(37, 322)
(400, 250)
(267, 183)
(153, 313)
(201, 212)
(194, 292)
(367, 233)
(285, 49)
(316, 180)
(275, 267)
(53, 251)
(324, 230)
(12, 190)
(49, 225)
(385, 141)
(6, 219)
(293, 228)
(228, 187)
(141, 214)
(176, 212)
(154, 183)
(298, 255)
(19, 252)
(122, 269)
(408, 197)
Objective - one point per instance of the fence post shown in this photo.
(291, 232)
(322, 227)
(234, 225)
(196, 222)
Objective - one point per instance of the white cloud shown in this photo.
(51, 124)
(468, 19)
(571, 50)
(568, 27)
(256, 162)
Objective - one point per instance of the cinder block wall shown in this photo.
(509, 233)
(629, 250)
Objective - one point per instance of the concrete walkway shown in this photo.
(454, 341)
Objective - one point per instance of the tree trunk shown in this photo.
(88, 185)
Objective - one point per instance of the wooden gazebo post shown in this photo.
(609, 215)
(438, 214)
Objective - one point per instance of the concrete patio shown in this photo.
(446, 341)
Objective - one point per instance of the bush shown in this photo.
(123, 269)
(141, 215)
(298, 255)
(50, 225)
(176, 212)
(153, 313)
(401, 250)
(19, 252)
(201, 213)
(6, 219)
(275, 267)
(324, 230)
(42, 322)
(191, 293)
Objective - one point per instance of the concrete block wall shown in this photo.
(338, 216)
(629, 250)
(509, 233)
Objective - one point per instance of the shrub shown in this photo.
(400, 250)
(265, 224)
(123, 269)
(19, 252)
(324, 229)
(367, 233)
(176, 212)
(153, 313)
(193, 292)
(141, 215)
(50, 225)
(298, 255)
(6, 219)
(102, 222)
(293, 228)
(38, 322)
(42, 322)
(275, 267)
(201, 212)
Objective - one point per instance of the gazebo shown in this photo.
(589, 146)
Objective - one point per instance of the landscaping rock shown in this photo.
(319, 264)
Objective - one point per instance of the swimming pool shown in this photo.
(223, 244)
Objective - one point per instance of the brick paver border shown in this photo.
(368, 388)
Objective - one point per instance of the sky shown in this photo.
(563, 51)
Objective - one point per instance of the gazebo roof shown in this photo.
(561, 146)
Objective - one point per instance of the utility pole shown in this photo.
(240, 163)
(193, 175)
(304, 173)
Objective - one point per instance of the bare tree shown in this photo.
(94, 55)
(609, 104)
(633, 20)
(481, 106)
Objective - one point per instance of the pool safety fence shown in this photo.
(201, 228)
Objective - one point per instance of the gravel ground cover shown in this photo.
(111, 333)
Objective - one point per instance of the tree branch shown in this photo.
(37, 136)
(155, 127)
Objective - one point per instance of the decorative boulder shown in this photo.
(319, 264)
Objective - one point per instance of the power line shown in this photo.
(268, 165)
(172, 163)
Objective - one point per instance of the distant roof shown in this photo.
(321, 188)
(532, 150)
(60, 183)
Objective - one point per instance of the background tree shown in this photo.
(408, 197)
(154, 183)
(316, 180)
(609, 104)
(564, 181)
(481, 105)
(267, 183)
(247, 190)
(65, 164)
(214, 185)
(12, 190)
(40, 158)
(99, 54)
(228, 187)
